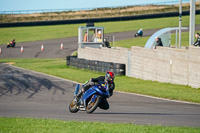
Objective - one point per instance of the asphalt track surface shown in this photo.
(24, 93)
(52, 46)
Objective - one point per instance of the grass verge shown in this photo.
(34, 33)
(29, 125)
(57, 67)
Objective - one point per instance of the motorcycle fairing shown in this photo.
(94, 90)
(88, 93)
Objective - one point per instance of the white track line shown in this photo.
(178, 101)
(158, 98)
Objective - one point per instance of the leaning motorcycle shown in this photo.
(10, 45)
(91, 99)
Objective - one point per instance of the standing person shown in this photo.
(158, 41)
(198, 40)
(99, 36)
(85, 37)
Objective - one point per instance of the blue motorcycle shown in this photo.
(91, 99)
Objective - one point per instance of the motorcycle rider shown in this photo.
(11, 44)
(108, 78)
(139, 32)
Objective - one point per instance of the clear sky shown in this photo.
(10, 5)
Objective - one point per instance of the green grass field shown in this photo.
(29, 125)
(26, 34)
(57, 67)
(141, 41)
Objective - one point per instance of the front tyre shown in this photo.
(93, 103)
(136, 34)
(73, 106)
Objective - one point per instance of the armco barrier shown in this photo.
(100, 66)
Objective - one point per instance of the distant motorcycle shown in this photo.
(11, 44)
(91, 99)
(139, 33)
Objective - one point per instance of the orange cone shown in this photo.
(42, 47)
(61, 46)
(22, 49)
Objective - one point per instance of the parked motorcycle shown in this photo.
(91, 99)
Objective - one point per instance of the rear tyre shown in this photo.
(73, 107)
(92, 106)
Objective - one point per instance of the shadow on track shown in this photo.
(129, 113)
(16, 82)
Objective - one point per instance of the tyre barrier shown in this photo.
(93, 65)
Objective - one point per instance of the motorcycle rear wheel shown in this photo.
(73, 107)
(92, 106)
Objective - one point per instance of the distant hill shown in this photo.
(94, 13)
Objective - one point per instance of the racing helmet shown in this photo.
(109, 76)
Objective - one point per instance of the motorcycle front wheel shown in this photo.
(93, 103)
(136, 34)
(73, 107)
